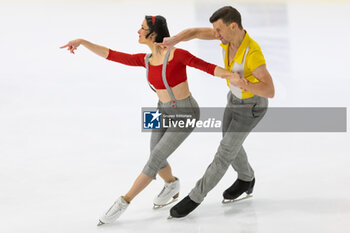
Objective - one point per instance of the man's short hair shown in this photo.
(228, 15)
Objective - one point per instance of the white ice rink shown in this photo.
(70, 125)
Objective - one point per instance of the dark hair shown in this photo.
(159, 27)
(228, 15)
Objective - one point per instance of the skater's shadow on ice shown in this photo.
(265, 206)
(152, 221)
(216, 209)
(303, 205)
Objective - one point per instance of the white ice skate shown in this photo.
(168, 195)
(118, 207)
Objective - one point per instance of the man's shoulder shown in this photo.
(253, 46)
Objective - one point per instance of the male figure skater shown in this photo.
(247, 104)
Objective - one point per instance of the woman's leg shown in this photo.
(165, 147)
(167, 142)
(166, 174)
(141, 182)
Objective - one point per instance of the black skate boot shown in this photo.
(183, 208)
(237, 189)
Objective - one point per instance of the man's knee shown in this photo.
(225, 153)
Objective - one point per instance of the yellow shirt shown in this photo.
(254, 59)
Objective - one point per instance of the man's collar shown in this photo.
(241, 49)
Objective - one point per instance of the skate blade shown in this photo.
(227, 201)
(161, 206)
(100, 223)
(170, 217)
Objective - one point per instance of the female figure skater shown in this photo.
(166, 69)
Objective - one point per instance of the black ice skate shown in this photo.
(183, 208)
(237, 189)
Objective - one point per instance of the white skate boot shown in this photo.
(118, 207)
(170, 190)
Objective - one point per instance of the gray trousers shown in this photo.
(240, 117)
(164, 141)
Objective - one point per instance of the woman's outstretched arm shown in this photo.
(123, 58)
(97, 49)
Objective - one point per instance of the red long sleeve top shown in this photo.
(176, 68)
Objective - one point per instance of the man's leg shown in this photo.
(241, 165)
(229, 147)
(245, 180)
(244, 119)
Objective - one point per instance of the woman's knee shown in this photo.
(153, 165)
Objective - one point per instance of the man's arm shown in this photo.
(263, 88)
(188, 34)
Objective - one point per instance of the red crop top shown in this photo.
(176, 68)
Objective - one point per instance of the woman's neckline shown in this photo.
(168, 60)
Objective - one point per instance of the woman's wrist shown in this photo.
(81, 41)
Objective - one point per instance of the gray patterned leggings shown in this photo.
(164, 141)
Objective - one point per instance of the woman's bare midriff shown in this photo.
(180, 91)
